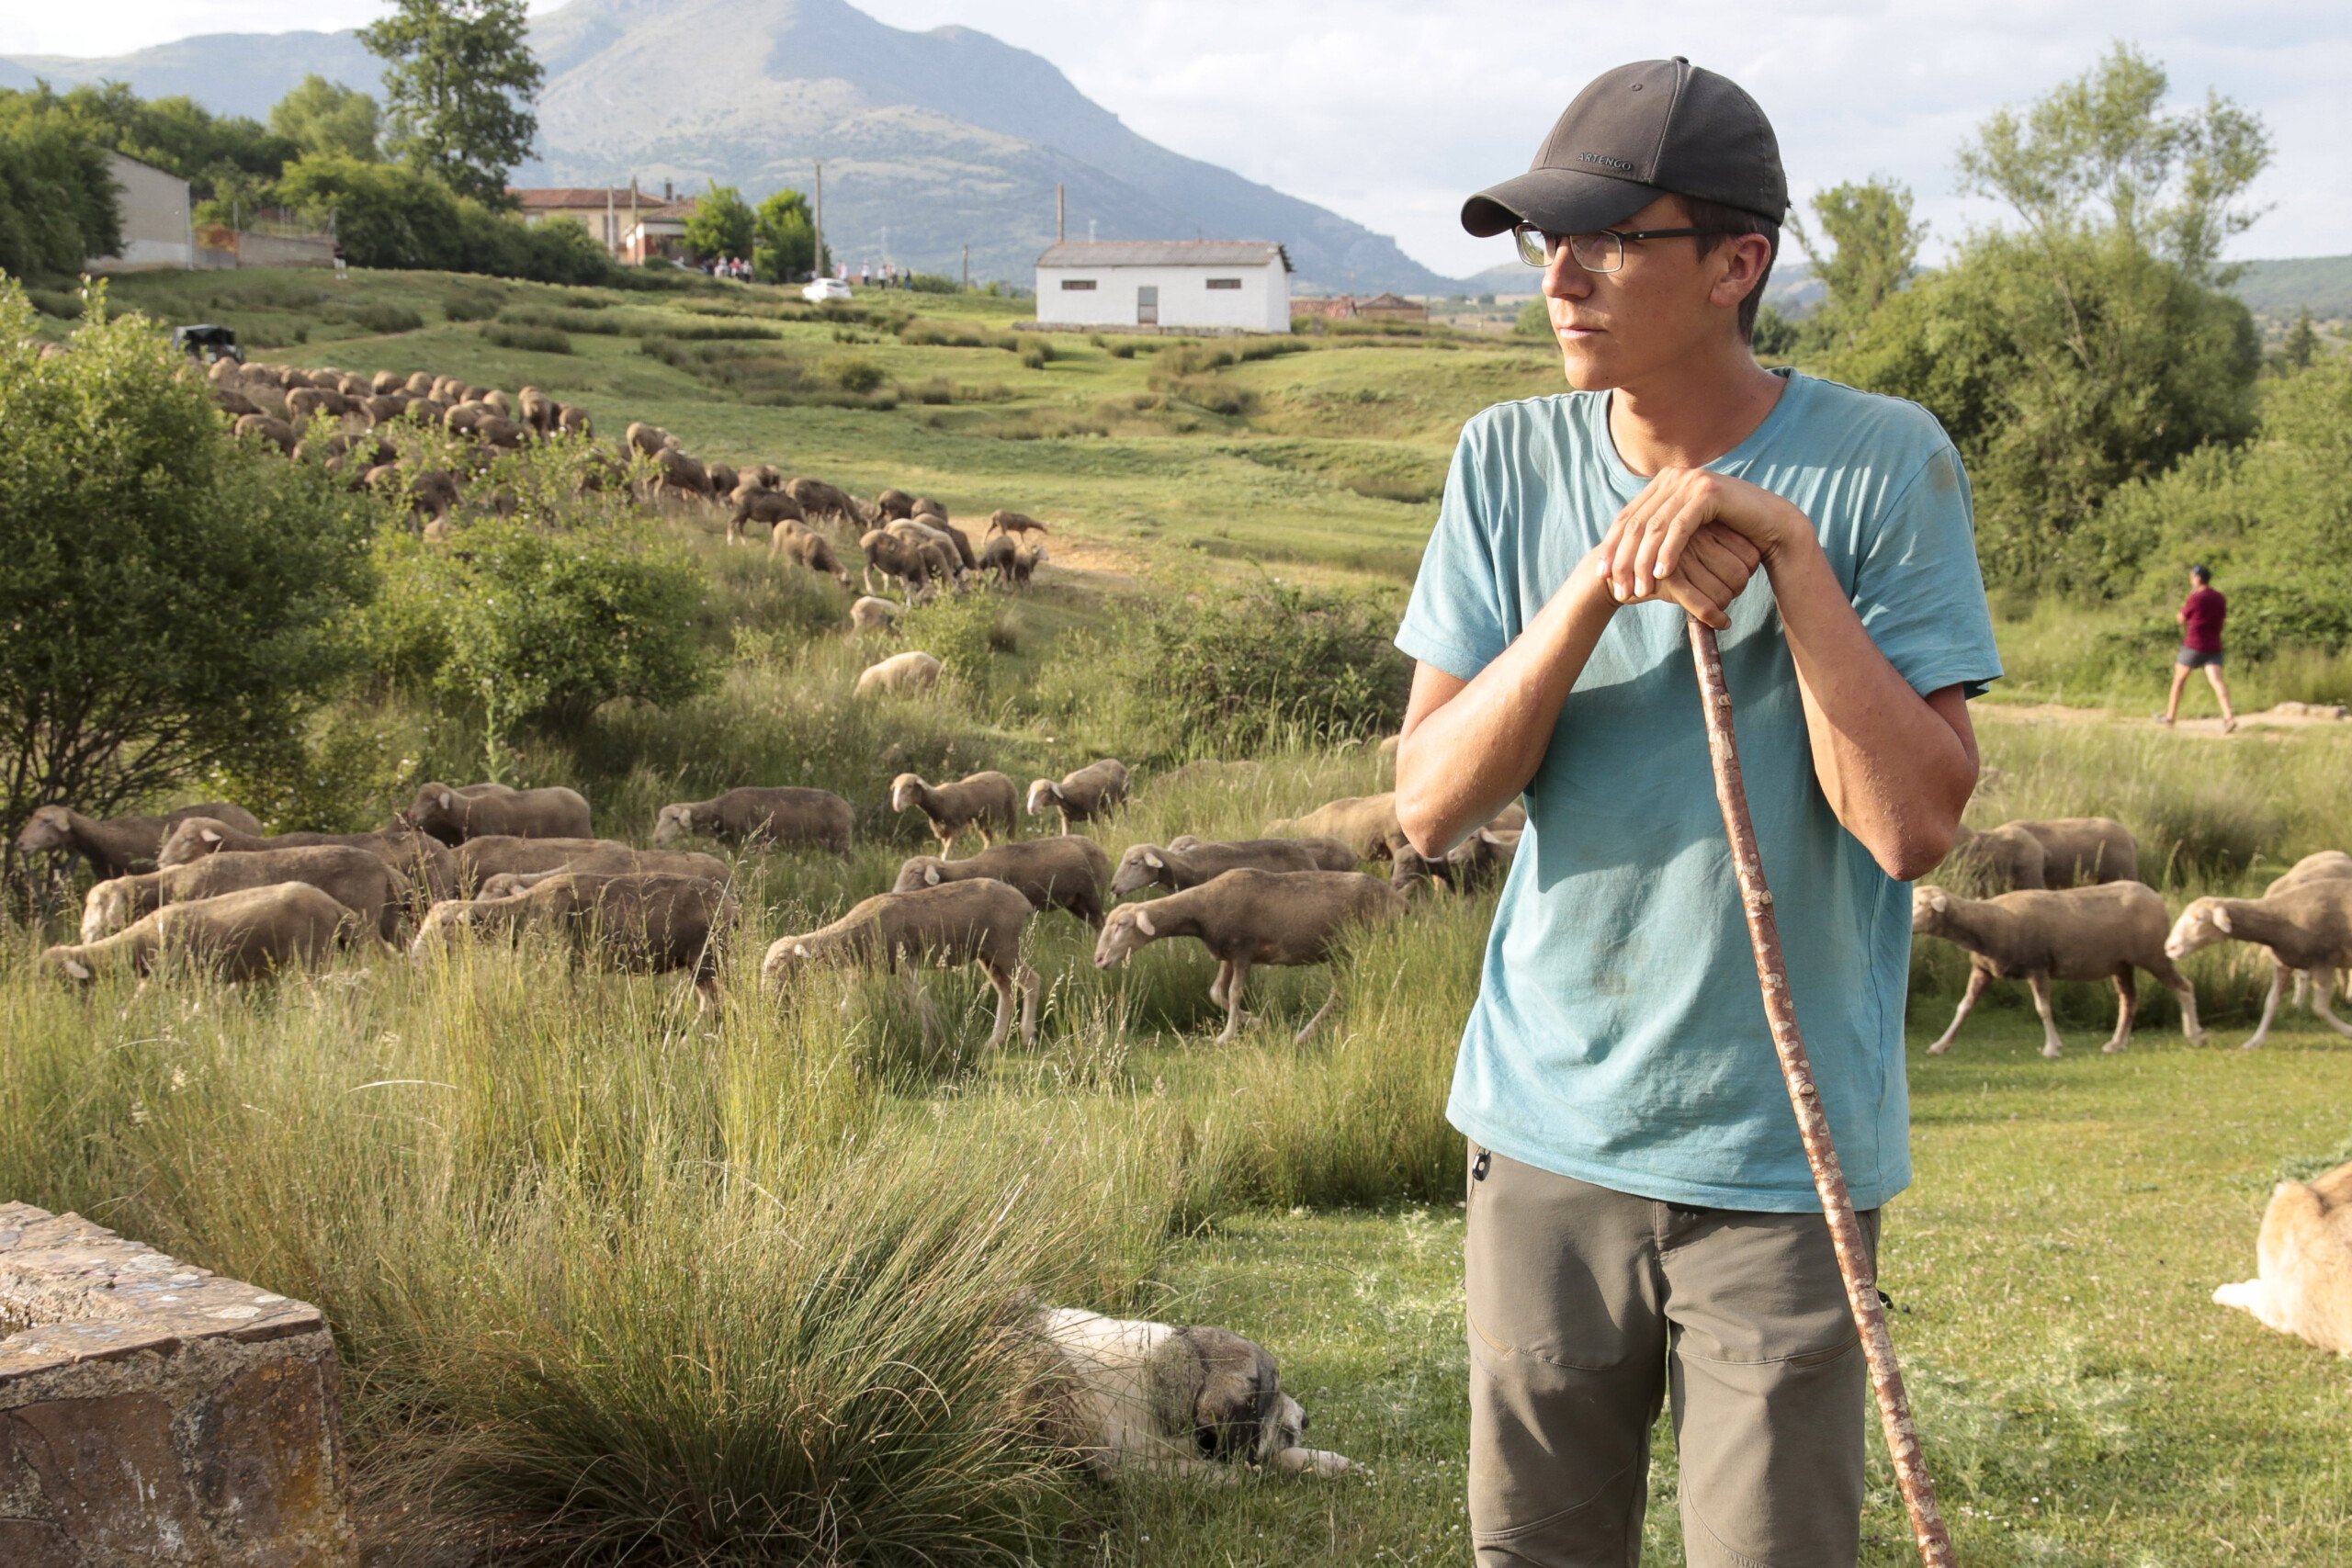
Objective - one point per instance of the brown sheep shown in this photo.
(538, 412)
(868, 613)
(1246, 918)
(234, 403)
(978, 922)
(277, 431)
(645, 440)
(452, 815)
(361, 881)
(118, 846)
(2306, 925)
(1189, 862)
(2101, 932)
(754, 504)
(419, 385)
(572, 420)
(1088, 794)
(818, 500)
(895, 503)
(425, 863)
(910, 564)
(984, 800)
(782, 816)
(235, 935)
(635, 919)
(1365, 822)
(926, 507)
(723, 479)
(793, 542)
(681, 475)
(1003, 522)
(2065, 851)
(1066, 872)
(478, 860)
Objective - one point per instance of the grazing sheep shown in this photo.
(654, 921)
(680, 475)
(1093, 792)
(1189, 862)
(901, 673)
(2079, 934)
(1067, 873)
(237, 935)
(2304, 1256)
(1013, 564)
(478, 859)
(278, 432)
(2064, 851)
(978, 922)
(1474, 861)
(2326, 866)
(1002, 522)
(782, 816)
(116, 846)
(537, 411)
(907, 561)
(419, 385)
(502, 402)
(424, 861)
(2307, 926)
(1246, 918)
(768, 508)
(817, 499)
(767, 476)
(983, 800)
(895, 503)
(927, 507)
(644, 439)
(453, 815)
(793, 542)
(1365, 822)
(870, 614)
(357, 878)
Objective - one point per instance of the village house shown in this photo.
(153, 209)
(635, 225)
(1165, 285)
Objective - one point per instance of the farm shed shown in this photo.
(1173, 284)
(155, 212)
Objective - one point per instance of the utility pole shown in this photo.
(1061, 217)
(817, 263)
(967, 267)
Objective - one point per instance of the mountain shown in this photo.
(931, 140)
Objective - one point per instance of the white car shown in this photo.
(825, 288)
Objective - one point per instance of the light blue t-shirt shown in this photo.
(1619, 1035)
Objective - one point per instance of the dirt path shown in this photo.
(2286, 718)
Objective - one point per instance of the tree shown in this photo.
(173, 599)
(785, 239)
(2303, 344)
(321, 115)
(389, 215)
(57, 198)
(1875, 241)
(720, 225)
(460, 86)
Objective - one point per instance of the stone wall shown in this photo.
(152, 1413)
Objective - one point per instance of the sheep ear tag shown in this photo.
(931, 876)
(799, 951)
(208, 835)
(79, 971)
(1143, 920)
(446, 799)
(2221, 918)
(1156, 864)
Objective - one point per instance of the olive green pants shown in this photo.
(1588, 1308)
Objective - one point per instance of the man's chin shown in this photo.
(1588, 371)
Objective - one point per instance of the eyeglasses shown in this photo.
(1603, 250)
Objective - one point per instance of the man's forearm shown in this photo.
(1468, 747)
(1896, 767)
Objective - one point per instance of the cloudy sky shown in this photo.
(1390, 111)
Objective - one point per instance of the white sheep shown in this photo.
(2325, 866)
(235, 935)
(985, 800)
(1246, 918)
(2076, 933)
(2306, 927)
(869, 614)
(1066, 873)
(913, 671)
(978, 921)
(1189, 862)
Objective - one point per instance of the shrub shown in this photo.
(532, 340)
(171, 599)
(933, 283)
(469, 308)
(852, 373)
(58, 302)
(385, 317)
(560, 321)
(1269, 663)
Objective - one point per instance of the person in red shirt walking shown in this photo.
(2201, 617)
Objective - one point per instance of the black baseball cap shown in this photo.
(1643, 130)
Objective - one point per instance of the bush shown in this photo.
(540, 626)
(387, 318)
(852, 374)
(560, 321)
(469, 308)
(392, 216)
(171, 599)
(1271, 663)
(532, 340)
(57, 302)
(933, 283)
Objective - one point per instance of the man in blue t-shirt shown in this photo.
(1642, 1220)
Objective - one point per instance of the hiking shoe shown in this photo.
(2164, 718)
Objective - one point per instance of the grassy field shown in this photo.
(618, 1283)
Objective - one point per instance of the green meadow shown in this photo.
(618, 1282)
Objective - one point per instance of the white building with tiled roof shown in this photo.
(1170, 285)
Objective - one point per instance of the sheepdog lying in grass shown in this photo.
(1146, 1395)
(2305, 1254)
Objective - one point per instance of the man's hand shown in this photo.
(1712, 569)
(1653, 539)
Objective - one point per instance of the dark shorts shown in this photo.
(2199, 658)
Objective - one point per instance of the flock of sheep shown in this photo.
(2075, 909)
(907, 541)
(202, 885)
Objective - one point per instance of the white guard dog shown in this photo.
(1150, 1394)
(2305, 1255)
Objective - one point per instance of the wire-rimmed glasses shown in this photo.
(1603, 250)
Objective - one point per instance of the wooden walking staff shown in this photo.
(1828, 1179)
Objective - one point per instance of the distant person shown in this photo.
(340, 275)
(2200, 618)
